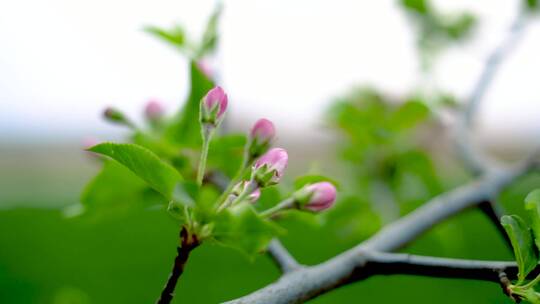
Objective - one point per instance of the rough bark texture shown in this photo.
(187, 244)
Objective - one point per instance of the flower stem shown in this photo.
(252, 185)
(246, 163)
(286, 204)
(532, 283)
(207, 133)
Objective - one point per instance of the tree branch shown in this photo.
(281, 256)
(475, 160)
(188, 243)
(309, 282)
(494, 212)
(381, 263)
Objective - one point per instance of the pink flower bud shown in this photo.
(275, 162)
(323, 196)
(216, 97)
(154, 110)
(263, 131)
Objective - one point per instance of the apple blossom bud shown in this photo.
(154, 110)
(263, 130)
(213, 106)
(242, 186)
(322, 195)
(261, 136)
(115, 116)
(269, 168)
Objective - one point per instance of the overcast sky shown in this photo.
(63, 61)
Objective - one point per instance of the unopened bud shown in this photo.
(154, 110)
(261, 136)
(213, 106)
(316, 197)
(115, 116)
(269, 168)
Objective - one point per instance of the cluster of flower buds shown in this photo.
(213, 106)
(266, 171)
(268, 164)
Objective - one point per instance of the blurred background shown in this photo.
(315, 68)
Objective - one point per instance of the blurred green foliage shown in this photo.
(435, 30)
(385, 159)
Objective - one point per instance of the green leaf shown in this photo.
(408, 115)
(460, 26)
(226, 153)
(116, 190)
(174, 36)
(210, 36)
(418, 6)
(145, 164)
(521, 239)
(531, 4)
(185, 129)
(532, 204)
(241, 228)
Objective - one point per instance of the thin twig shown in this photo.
(281, 256)
(188, 243)
(309, 282)
(494, 212)
(475, 160)
(381, 263)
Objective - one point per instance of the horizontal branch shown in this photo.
(306, 283)
(281, 256)
(380, 263)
